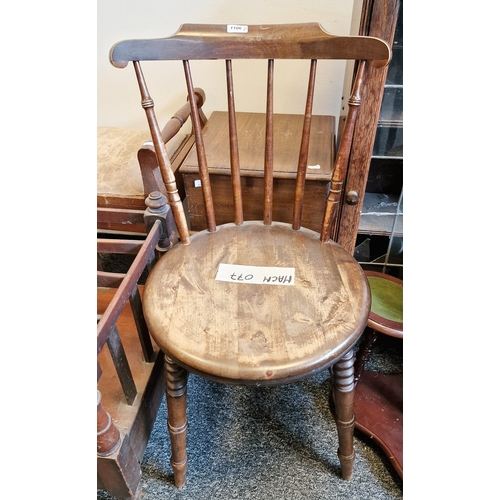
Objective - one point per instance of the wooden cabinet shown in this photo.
(251, 139)
(379, 245)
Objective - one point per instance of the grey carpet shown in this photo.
(268, 443)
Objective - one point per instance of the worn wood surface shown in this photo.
(128, 169)
(245, 333)
(251, 139)
(378, 405)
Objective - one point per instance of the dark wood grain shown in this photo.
(269, 146)
(380, 23)
(200, 150)
(331, 215)
(304, 150)
(148, 162)
(265, 41)
(240, 333)
(379, 413)
(233, 146)
(161, 152)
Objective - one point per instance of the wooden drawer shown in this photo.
(251, 140)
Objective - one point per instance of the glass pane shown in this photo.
(388, 141)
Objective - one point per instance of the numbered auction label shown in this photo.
(237, 28)
(257, 275)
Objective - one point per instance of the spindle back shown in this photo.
(270, 42)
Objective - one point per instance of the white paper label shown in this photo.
(237, 28)
(257, 275)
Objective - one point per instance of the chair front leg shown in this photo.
(176, 383)
(343, 396)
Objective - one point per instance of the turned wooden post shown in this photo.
(343, 395)
(158, 209)
(167, 175)
(108, 435)
(176, 383)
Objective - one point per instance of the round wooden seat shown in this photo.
(386, 315)
(242, 333)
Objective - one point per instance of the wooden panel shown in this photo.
(378, 406)
(253, 201)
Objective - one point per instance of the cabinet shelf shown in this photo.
(382, 211)
(381, 215)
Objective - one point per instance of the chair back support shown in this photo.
(272, 42)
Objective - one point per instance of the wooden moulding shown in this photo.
(297, 41)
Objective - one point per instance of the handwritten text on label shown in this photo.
(258, 275)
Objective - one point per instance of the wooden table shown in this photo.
(251, 137)
(378, 400)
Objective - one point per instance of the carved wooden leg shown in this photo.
(176, 382)
(118, 469)
(108, 435)
(343, 395)
(364, 352)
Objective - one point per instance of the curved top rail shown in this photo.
(268, 41)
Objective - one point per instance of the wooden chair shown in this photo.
(130, 370)
(256, 302)
(128, 171)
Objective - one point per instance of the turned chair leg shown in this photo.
(176, 382)
(343, 396)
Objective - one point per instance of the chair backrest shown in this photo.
(269, 42)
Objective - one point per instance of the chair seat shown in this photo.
(245, 333)
(119, 179)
